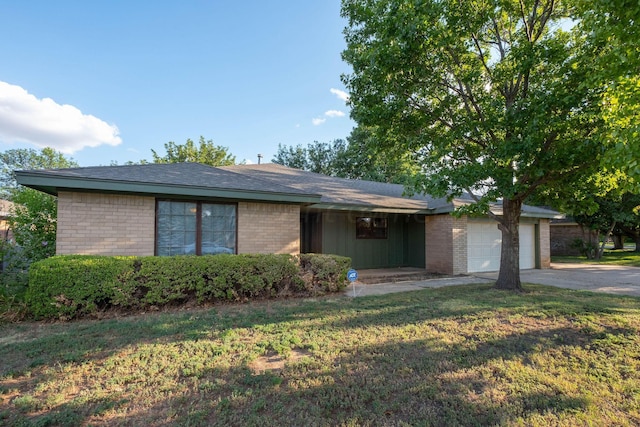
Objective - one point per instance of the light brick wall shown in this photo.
(5, 233)
(105, 224)
(268, 228)
(459, 236)
(544, 244)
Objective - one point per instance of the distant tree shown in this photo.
(617, 214)
(496, 99)
(33, 222)
(33, 219)
(25, 159)
(206, 153)
(364, 159)
(355, 159)
(319, 157)
(290, 156)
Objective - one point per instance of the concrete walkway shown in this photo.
(613, 279)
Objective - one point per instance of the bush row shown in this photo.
(71, 286)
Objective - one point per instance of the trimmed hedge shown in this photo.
(72, 286)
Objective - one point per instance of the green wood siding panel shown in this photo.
(416, 242)
(404, 245)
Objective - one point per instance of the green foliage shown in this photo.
(25, 159)
(358, 158)
(206, 152)
(324, 273)
(33, 223)
(74, 285)
(496, 99)
(68, 287)
(33, 218)
(318, 157)
(13, 286)
(588, 250)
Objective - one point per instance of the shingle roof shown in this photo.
(181, 174)
(171, 179)
(337, 191)
(268, 182)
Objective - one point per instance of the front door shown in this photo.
(311, 232)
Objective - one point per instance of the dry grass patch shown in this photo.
(275, 362)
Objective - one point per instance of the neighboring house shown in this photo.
(5, 210)
(166, 209)
(565, 232)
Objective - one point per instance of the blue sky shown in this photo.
(107, 81)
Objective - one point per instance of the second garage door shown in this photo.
(484, 241)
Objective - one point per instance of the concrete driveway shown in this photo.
(612, 279)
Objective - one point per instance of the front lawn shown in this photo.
(467, 355)
(618, 257)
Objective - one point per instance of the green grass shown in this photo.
(617, 257)
(468, 355)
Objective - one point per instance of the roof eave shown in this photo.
(369, 208)
(53, 185)
(497, 210)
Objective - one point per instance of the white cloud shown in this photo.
(318, 121)
(334, 113)
(45, 123)
(340, 94)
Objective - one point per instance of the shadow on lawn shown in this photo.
(370, 387)
(423, 381)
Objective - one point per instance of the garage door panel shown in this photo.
(527, 246)
(484, 246)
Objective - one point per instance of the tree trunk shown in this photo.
(509, 275)
(636, 239)
(618, 241)
(600, 250)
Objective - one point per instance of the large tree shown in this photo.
(206, 152)
(497, 98)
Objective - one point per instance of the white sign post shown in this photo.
(352, 276)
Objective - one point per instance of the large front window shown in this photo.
(195, 228)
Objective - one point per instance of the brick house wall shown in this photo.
(5, 209)
(446, 244)
(544, 244)
(105, 224)
(562, 235)
(5, 233)
(268, 228)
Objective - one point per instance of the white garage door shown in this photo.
(483, 246)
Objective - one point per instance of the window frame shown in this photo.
(198, 214)
(371, 229)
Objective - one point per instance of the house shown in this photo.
(165, 209)
(563, 236)
(5, 210)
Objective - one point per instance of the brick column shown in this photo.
(268, 228)
(544, 246)
(459, 246)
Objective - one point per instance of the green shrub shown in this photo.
(73, 285)
(325, 273)
(67, 287)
